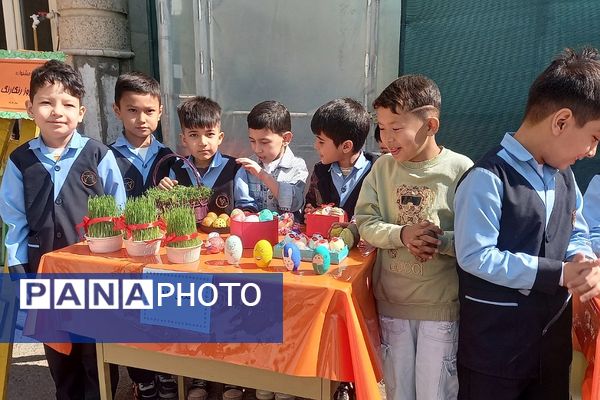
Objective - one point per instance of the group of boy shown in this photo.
(502, 244)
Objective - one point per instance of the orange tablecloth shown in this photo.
(330, 321)
(586, 325)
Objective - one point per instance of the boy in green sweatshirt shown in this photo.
(405, 209)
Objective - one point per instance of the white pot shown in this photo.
(106, 244)
(141, 249)
(182, 255)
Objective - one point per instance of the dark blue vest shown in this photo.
(222, 198)
(52, 222)
(513, 337)
(132, 177)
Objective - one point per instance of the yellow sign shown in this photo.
(14, 82)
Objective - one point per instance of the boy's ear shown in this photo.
(347, 146)
(160, 110)
(433, 125)
(117, 110)
(221, 136)
(287, 137)
(82, 111)
(561, 120)
(29, 108)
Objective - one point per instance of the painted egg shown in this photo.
(215, 245)
(291, 256)
(321, 260)
(265, 215)
(252, 218)
(314, 240)
(289, 238)
(233, 249)
(240, 217)
(263, 253)
(236, 211)
(336, 244)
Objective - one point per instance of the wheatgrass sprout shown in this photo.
(181, 221)
(102, 206)
(179, 196)
(141, 210)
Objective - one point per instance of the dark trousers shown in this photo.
(476, 386)
(76, 375)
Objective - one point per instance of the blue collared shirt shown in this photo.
(345, 184)
(289, 171)
(12, 197)
(591, 212)
(210, 176)
(144, 165)
(478, 209)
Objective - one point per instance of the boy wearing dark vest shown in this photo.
(200, 120)
(44, 195)
(405, 209)
(138, 152)
(340, 127)
(522, 243)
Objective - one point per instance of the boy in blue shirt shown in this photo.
(521, 241)
(340, 127)
(200, 120)
(137, 105)
(44, 195)
(274, 178)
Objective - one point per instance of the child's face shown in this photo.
(139, 113)
(268, 145)
(575, 143)
(328, 151)
(203, 143)
(404, 134)
(56, 113)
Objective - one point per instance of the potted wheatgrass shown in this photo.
(183, 244)
(101, 235)
(194, 197)
(143, 227)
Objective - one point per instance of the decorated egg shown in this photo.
(321, 260)
(263, 253)
(322, 242)
(252, 218)
(289, 238)
(233, 249)
(213, 215)
(291, 256)
(313, 240)
(336, 244)
(348, 237)
(239, 217)
(219, 223)
(215, 244)
(265, 215)
(236, 211)
(303, 238)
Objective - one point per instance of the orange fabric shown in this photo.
(330, 321)
(586, 325)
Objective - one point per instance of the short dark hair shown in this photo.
(409, 93)
(54, 71)
(341, 120)
(377, 134)
(571, 81)
(136, 82)
(199, 112)
(270, 115)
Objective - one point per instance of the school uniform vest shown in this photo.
(329, 192)
(222, 200)
(132, 177)
(52, 221)
(503, 331)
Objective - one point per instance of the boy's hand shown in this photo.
(309, 209)
(167, 183)
(250, 166)
(421, 239)
(582, 276)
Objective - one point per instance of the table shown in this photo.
(330, 328)
(586, 325)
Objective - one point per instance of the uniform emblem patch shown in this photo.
(222, 201)
(89, 178)
(129, 184)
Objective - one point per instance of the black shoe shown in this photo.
(345, 391)
(145, 391)
(167, 387)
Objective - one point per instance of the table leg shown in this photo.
(181, 387)
(103, 373)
